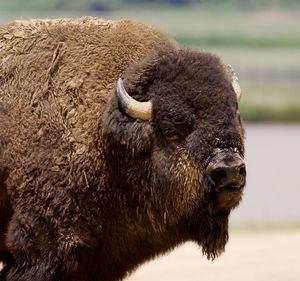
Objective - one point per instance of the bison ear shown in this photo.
(121, 128)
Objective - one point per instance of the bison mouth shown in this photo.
(224, 197)
(230, 189)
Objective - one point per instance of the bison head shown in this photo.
(175, 127)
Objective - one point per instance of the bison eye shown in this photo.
(171, 134)
(169, 131)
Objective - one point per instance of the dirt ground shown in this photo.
(250, 256)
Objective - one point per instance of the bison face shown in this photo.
(187, 130)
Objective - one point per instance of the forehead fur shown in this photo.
(193, 90)
(190, 80)
(191, 69)
(178, 70)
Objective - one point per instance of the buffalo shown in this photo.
(116, 146)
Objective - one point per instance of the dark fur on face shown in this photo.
(195, 111)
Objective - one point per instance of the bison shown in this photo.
(115, 147)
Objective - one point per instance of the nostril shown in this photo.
(242, 171)
(218, 174)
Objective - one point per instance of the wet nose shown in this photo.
(227, 174)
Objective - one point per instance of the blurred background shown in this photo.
(261, 40)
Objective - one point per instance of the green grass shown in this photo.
(270, 101)
(15, 5)
(265, 113)
(238, 40)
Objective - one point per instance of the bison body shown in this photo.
(94, 181)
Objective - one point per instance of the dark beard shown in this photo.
(210, 231)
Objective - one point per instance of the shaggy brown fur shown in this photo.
(82, 183)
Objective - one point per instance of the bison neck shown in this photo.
(129, 249)
(136, 229)
(130, 246)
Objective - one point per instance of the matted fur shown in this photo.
(87, 192)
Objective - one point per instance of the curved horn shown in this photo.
(235, 82)
(134, 108)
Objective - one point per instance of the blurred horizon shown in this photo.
(105, 5)
(260, 39)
